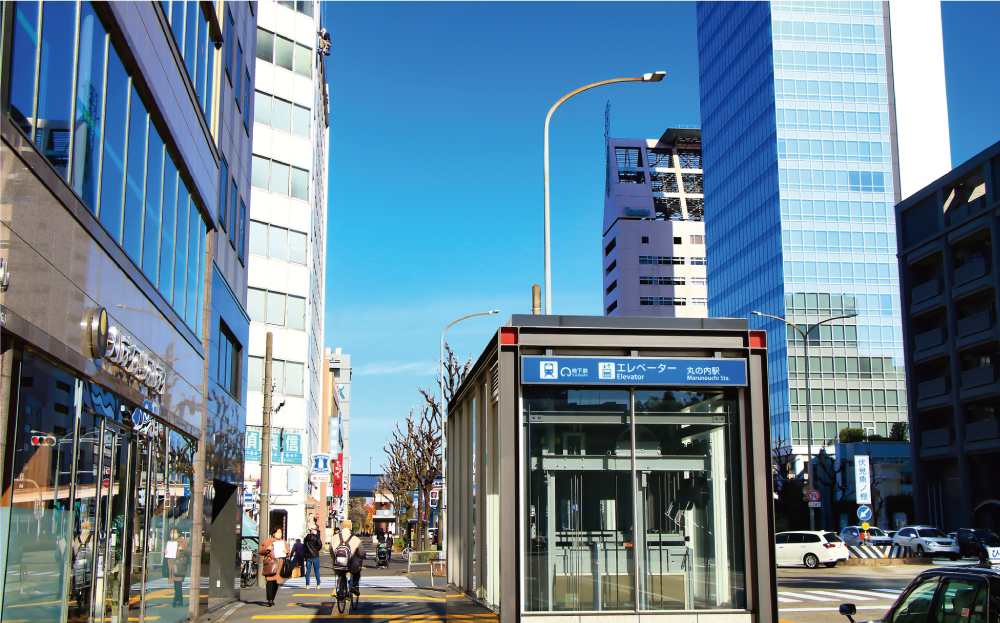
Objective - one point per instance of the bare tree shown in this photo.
(356, 512)
(782, 466)
(454, 374)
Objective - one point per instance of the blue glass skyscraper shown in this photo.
(802, 144)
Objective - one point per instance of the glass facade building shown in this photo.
(801, 174)
(124, 325)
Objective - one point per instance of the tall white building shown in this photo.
(340, 367)
(287, 259)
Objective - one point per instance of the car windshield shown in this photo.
(832, 538)
(931, 533)
(987, 537)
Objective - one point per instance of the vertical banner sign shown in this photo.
(862, 479)
(252, 448)
(338, 475)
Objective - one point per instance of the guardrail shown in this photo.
(435, 556)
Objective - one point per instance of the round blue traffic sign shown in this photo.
(864, 513)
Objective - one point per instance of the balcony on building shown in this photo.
(935, 438)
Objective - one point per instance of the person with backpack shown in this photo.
(347, 553)
(311, 548)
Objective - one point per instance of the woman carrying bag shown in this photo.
(276, 553)
(177, 556)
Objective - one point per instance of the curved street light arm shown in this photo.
(650, 77)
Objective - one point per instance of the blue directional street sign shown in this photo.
(632, 370)
(864, 513)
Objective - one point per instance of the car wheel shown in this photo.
(920, 551)
(954, 557)
(811, 561)
(830, 565)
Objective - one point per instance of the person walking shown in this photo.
(274, 549)
(311, 548)
(178, 564)
(357, 552)
(298, 558)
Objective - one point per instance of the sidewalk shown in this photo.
(387, 595)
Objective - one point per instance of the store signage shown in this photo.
(321, 463)
(319, 478)
(338, 475)
(633, 371)
(109, 342)
(142, 418)
(251, 448)
(4, 275)
(286, 447)
(862, 479)
(636, 211)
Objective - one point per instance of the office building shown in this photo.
(340, 369)
(949, 255)
(288, 249)
(654, 230)
(329, 493)
(814, 124)
(125, 179)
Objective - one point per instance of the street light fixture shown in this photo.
(444, 432)
(655, 76)
(809, 439)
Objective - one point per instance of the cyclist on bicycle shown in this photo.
(346, 537)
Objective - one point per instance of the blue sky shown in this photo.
(435, 196)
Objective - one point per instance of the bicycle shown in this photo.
(345, 596)
(407, 550)
(248, 571)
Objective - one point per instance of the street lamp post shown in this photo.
(809, 438)
(656, 76)
(444, 434)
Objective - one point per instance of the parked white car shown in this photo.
(809, 548)
(927, 541)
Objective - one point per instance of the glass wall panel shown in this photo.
(201, 62)
(281, 116)
(303, 60)
(84, 549)
(39, 502)
(278, 376)
(296, 313)
(279, 178)
(262, 108)
(180, 256)
(113, 167)
(89, 106)
(202, 245)
(265, 46)
(300, 184)
(277, 243)
(687, 506)
(300, 121)
(234, 194)
(154, 196)
(177, 22)
(296, 247)
(156, 527)
(260, 172)
(255, 373)
(132, 231)
(276, 308)
(191, 37)
(293, 378)
(258, 238)
(223, 188)
(579, 518)
(193, 266)
(24, 49)
(55, 92)
(241, 231)
(255, 304)
(283, 52)
(167, 229)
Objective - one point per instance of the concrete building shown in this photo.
(124, 187)
(891, 472)
(949, 256)
(340, 368)
(814, 122)
(288, 246)
(654, 230)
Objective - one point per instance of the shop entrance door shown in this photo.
(115, 499)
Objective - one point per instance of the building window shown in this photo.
(237, 95)
(647, 300)
(611, 267)
(614, 284)
(230, 360)
(645, 240)
(223, 187)
(241, 239)
(670, 260)
(628, 157)
(277, 242)
(697, 261)
(265, 45)
(647, 259)
(233, 197)
(678, 240)
(611, 245)
(612, 307)
(697, 239)
(689, 159)
(280, 178)
(672, 301)
(631, 177)
(699, 281)
(284, 51)
(303, 60)
(191, 32)
(229, 45)
(287, 376)
(647, 281)
(699, 301)
(659, 157)
(246, 102)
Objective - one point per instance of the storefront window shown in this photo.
(37, 492)
(178, 517)
(580, 523)
(85, 516)
(631, 508)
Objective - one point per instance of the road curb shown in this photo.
(884, 562)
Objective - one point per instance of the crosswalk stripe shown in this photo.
(852, 591)
(840, 595)
(801, 596)
(888, 590)
(789, 601)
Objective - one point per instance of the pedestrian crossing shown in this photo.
(838, 595)
(367, 582)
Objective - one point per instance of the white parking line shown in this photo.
(801, 596)
(840, 595)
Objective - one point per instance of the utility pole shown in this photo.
(264, 527)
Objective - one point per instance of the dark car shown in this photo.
(976, 543)
(945, 595)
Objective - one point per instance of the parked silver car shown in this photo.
(851, 535)
(927, 541)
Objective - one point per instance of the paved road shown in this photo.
(814, 596)
(386, 596)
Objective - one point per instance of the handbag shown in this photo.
(270, 567)
(287, 567)
(178, 567)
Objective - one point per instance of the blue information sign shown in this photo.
(864, 513)
(632, 371)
